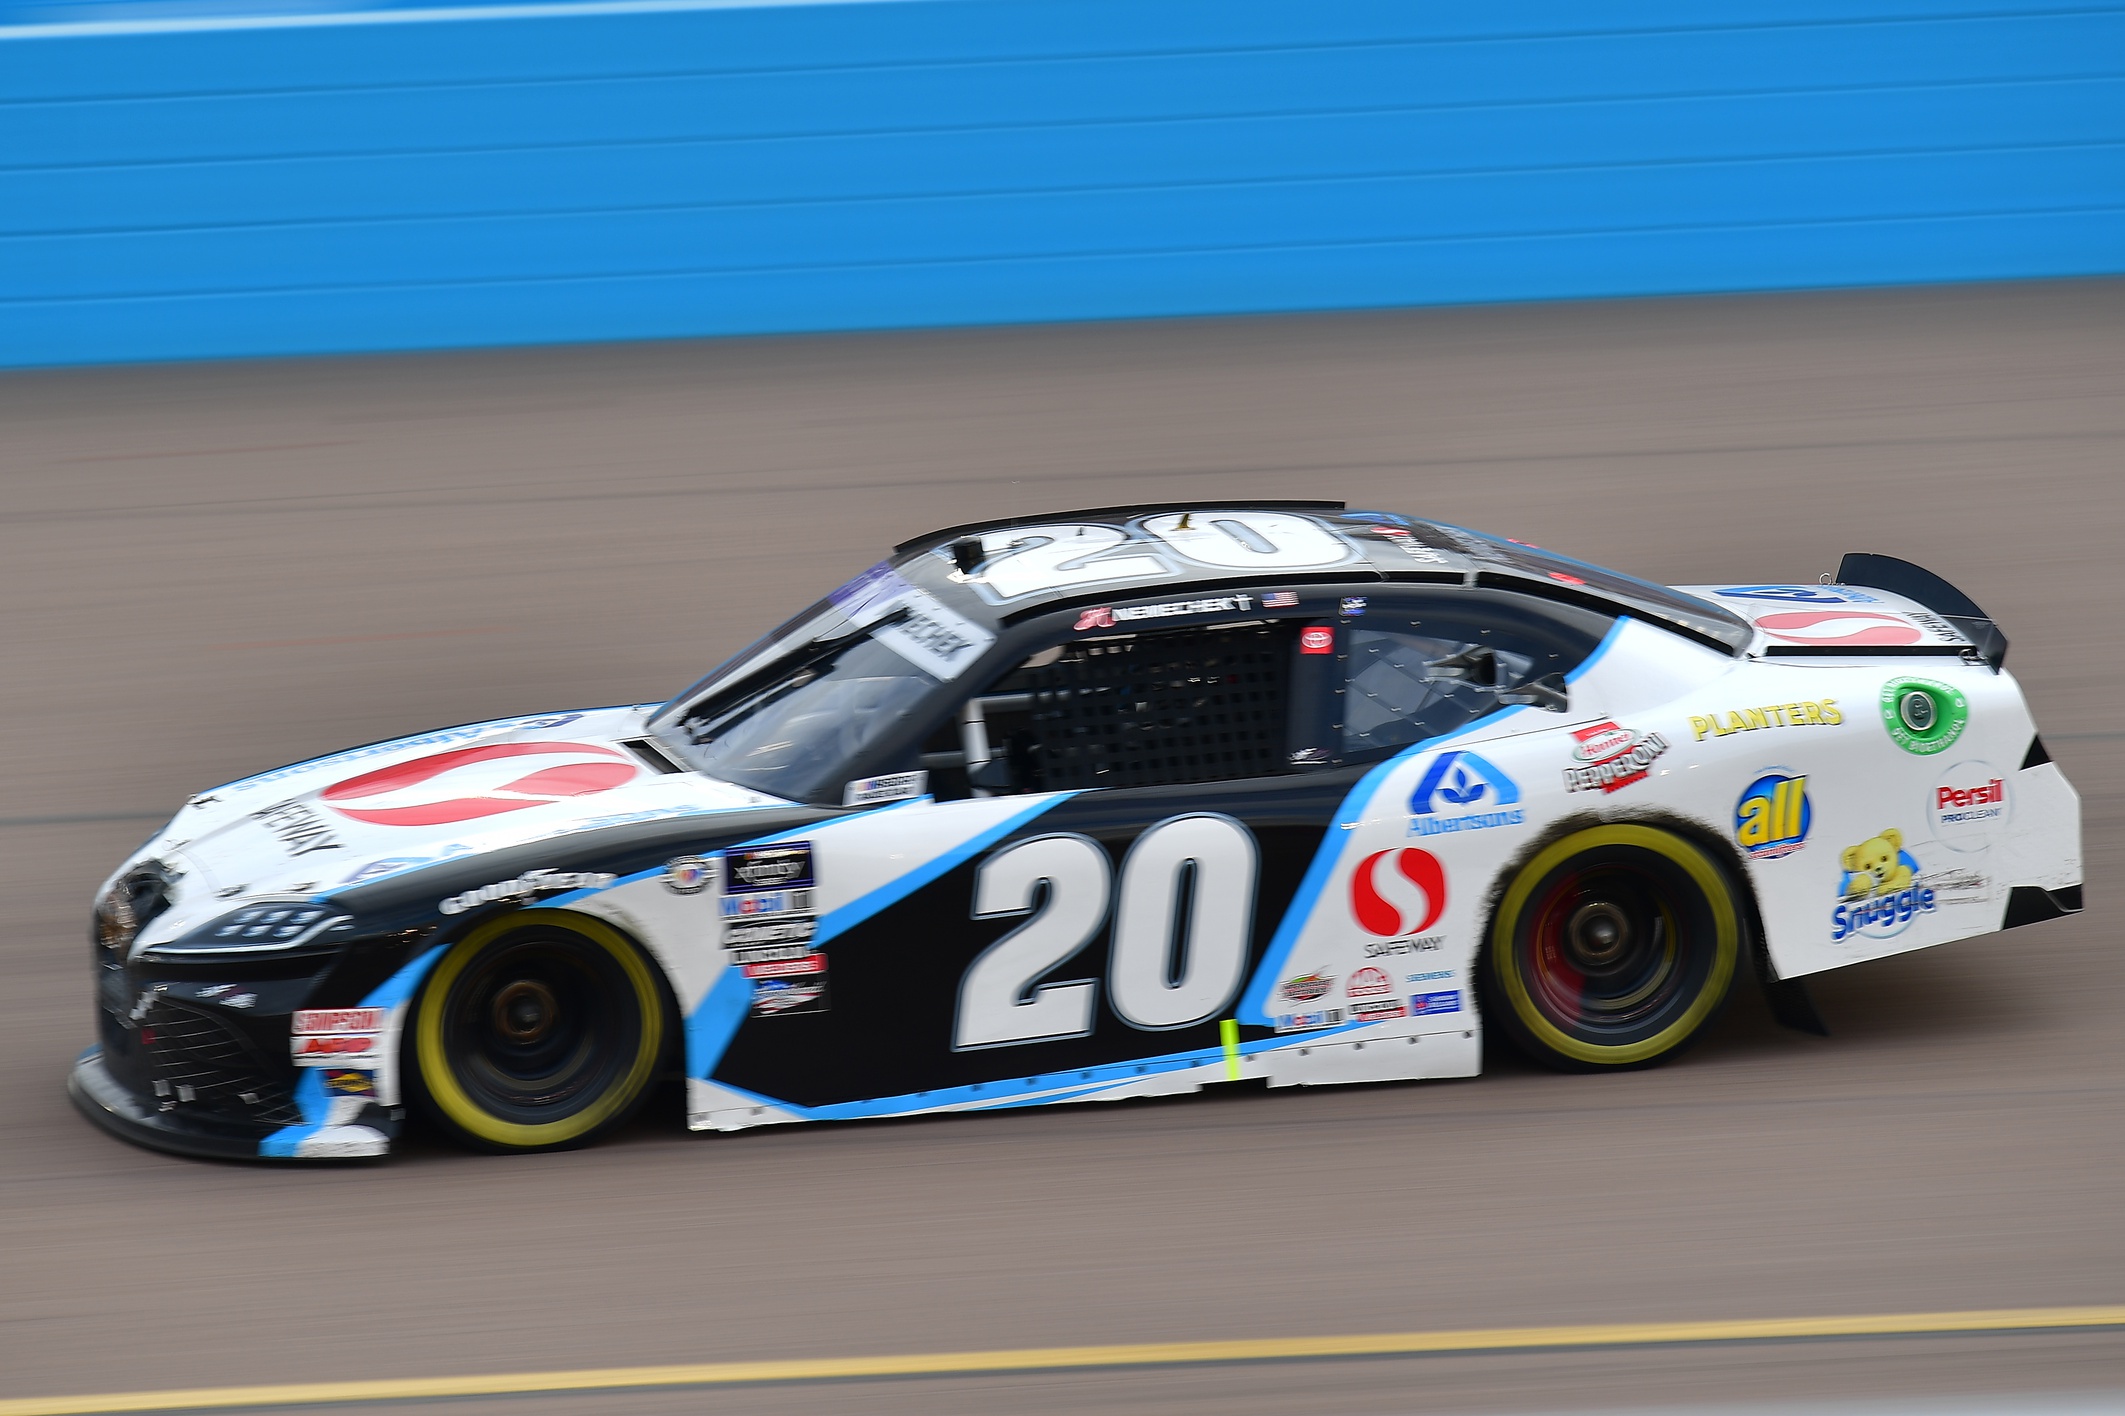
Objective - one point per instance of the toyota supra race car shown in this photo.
(1106, 804)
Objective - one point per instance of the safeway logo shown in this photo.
(1398, 892)
(471, 782)
(1857, 628)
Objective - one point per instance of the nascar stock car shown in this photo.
(1112, 803)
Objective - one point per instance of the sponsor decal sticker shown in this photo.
(1773, 815)
(767, 902)
(787, 968)
(1615, 757)
(1463, 792)
(297, 827)
(894, 786)
(1923, 716)
(1798, 594)
(1369, 982)
(1378, 1010)
(1307, 1022)
(742, 934)
(1820, 713)
(1353, 604)
(788, 997)
(1398, 892)
(1409, 545)
(340, 1082)
(1423, 1005)
(1280, 600)
(1310, 757)
(1108, 616)
(689, 875)
(1970, 807)
(1317, 639)
(942, 644)
(785, 865)
(1880, 890)
(337, 1020)
(1428, 977)
(1426, 944)
(1307, 988)
(1854, 629)
(771, 953)
(530, 883)
(471, 782)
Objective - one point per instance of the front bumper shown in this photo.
(330, 1128)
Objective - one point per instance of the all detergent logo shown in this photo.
(1881, 891)
(1462, 792)
(471, 782)
(1773, 816)
(1398, 893)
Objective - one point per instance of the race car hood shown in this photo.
(1828, 619)
(315, 827)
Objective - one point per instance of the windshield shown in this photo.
(790, 721)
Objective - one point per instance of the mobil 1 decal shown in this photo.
(1115, 927)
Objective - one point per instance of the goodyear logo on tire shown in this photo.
(1773, 816)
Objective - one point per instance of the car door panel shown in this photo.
(1100, 929)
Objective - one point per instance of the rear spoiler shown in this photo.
(1916, 583)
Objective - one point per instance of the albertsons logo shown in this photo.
(1462, 792)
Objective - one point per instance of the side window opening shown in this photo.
(1413, 678)
(1138, 710)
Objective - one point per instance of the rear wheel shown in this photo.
(1612, 948)
(536, 1033)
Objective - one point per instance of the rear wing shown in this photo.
(1922, 586)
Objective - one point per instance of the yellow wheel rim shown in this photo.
(1726, 942)
(440, 1077)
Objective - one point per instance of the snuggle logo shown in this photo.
(1880, 889)
(1463, 792)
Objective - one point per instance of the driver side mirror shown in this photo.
(1549, 693)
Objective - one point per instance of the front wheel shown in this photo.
(1612, 948)
(537, 1033)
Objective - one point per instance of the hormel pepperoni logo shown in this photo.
(1855, 628)
(471, 782)
(1615, 758)
(1398, 892)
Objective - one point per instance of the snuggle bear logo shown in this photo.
(1877, 866)
(1879, 890)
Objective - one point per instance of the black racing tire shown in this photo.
(1612, 948)
(541, 1030)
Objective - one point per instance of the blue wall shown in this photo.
(178, 187)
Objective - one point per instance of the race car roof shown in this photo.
(1116, 551)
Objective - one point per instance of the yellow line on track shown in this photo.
(1035, 1359)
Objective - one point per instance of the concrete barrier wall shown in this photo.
(179, 184)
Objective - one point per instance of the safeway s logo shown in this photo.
(1398, 892)
(471, 782)
(1858, 628)
(1461, 779)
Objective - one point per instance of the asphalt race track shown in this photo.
(210, 570)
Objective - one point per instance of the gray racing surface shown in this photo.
(207, 571)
